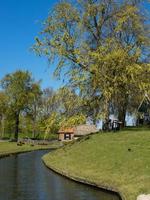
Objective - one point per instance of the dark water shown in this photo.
(24, 177)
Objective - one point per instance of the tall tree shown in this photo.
(34, 106)
(18, 86)
(49, 104)
(102, 45)
(3, 110)
(67, 112)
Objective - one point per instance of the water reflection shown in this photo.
(24, 177)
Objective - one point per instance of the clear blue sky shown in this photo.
(20, 22)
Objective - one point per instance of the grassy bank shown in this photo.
(120, 161)
(7, 148)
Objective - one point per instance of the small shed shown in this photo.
(144, 111)
(66, 134)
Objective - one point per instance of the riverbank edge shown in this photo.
(11, 153)
(82, 180)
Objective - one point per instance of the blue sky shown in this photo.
(20, 22)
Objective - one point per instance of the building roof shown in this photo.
(85, 129)
(66, 130)
(145, 105)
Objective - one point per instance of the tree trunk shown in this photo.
(106, 116)
(122, 110)
(122, 113)
(34, 122)
(17, 126)
(122, 117)
(3, 126)
(34, 129)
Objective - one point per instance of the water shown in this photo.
(24, 177)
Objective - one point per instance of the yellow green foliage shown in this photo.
(101, 45)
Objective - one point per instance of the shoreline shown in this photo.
(76, 179)
(84, 181)
(107, 161)
(8, 149)
(11, 153)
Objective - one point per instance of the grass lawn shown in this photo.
(40, 136)
(7, 148)
(118, 160)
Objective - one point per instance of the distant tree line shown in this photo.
(28, 111)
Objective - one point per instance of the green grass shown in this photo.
(119, 160)
(7, 148)
(39, 136)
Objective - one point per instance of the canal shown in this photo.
(24, 177)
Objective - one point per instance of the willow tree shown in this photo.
(101, 45)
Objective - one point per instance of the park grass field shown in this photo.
(8, 148)
(120, 161)
(40, 136)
